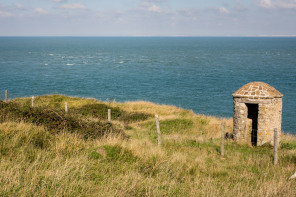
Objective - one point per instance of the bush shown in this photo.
(134, 117)
(117, 153)
(98, 111)
(55, 121)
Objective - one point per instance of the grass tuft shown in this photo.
(117, 153)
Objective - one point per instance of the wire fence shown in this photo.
(253, 133)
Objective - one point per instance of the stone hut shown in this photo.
(257, 112)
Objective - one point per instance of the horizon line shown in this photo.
(151, 36)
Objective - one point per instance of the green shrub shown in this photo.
(55, 121)
(134, 117)
(98, 111)
(117, 153)
(288, 145)
(95, 155)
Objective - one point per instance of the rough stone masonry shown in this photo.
(257, 112)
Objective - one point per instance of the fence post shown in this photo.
(66, 107)
(33, 101)
(109, 115)
(6, 96)
(222, 139)
(276, 143)
(158, 131)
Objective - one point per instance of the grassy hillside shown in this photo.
(46, 152)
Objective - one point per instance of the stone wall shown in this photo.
(269, 117)
(239, 120)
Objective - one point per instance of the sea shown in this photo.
(197, 73)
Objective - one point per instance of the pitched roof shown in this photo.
(257, 90)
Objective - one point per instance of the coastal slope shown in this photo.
(46, 151)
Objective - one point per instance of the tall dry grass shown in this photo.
(35, 162)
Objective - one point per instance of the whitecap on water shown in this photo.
(69, 64)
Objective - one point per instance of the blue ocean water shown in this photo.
(196, 73)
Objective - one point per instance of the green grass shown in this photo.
(288, 145)
(171, 126)
(45, 152)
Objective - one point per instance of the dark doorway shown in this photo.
(253, 115)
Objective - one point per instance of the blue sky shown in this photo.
(147, 17)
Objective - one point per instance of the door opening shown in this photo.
(253, 115)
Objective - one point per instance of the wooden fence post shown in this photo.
(276, 143)
(33, 101)
(158, 131)
(109, 115)
(222, 139)
(66, 107)
(6, 96)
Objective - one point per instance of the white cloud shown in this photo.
(286, 4)
(119, 21)
(59, 1)
(154, 8)
(272, 4)
(73, 6)
(265, 4)
(151, 7)
(19, 6)
(240, 6)
(6, 14)
(218, 10)
(40, 11)
(192, 14)
(223, 10)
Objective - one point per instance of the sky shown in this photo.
(147, 17)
